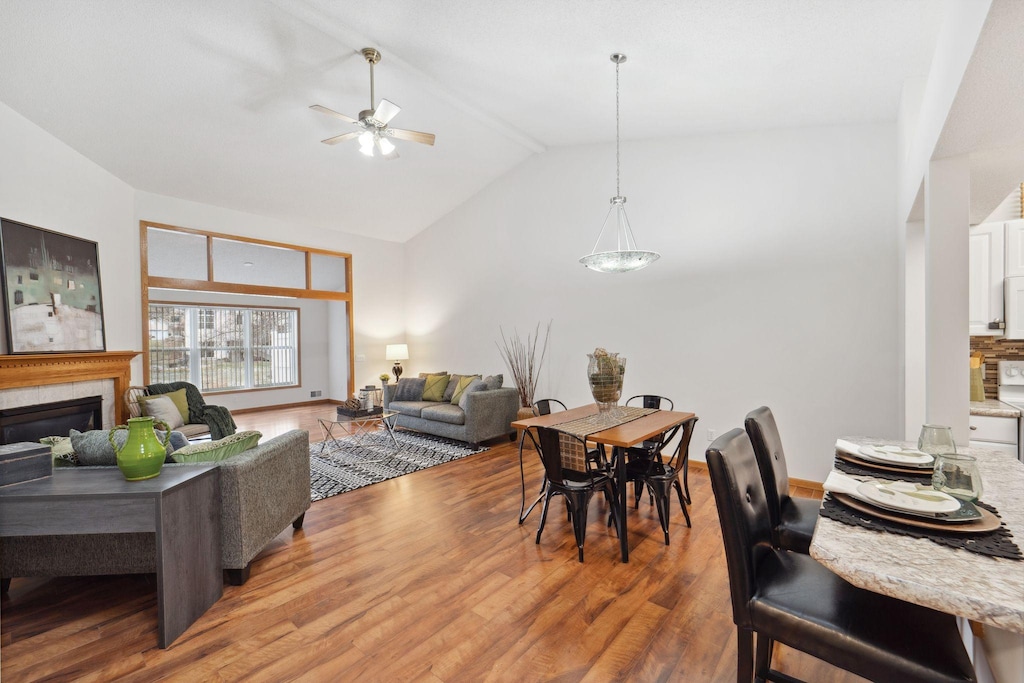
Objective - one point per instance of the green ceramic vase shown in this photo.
(142, 454)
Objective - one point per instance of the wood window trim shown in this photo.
(210, 285)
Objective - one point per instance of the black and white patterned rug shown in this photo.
(360, 461)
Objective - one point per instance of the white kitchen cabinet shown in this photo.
(987, 265)
(1015, 249)
(1014, 295)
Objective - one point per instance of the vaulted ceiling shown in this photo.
(208, 101)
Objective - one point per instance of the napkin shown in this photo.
(848, 447)
(837, 482)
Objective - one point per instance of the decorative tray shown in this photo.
(348, 412)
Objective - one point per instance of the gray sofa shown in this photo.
(487, 415)
(263, 490)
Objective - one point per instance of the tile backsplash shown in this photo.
(995, 350)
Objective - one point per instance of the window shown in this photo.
(220, 348)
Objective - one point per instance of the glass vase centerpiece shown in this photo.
(605, 372)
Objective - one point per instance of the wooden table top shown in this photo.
(624, 435)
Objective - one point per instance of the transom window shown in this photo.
(221, 348)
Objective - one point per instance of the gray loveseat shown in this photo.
(485, 415)
(263, 490)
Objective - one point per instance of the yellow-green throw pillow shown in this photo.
(180, 402)
(222, 449)
(464, 382)
(433, 390)
(62, 450)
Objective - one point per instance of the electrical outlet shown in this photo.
(360, 357)
(712, 435)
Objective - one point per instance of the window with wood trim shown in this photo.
(222, 348)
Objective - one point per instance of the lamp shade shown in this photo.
(396, 352)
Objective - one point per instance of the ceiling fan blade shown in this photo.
(340, 138)
(412, 135)
(331, 112)
(386, 111)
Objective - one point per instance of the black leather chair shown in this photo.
(568, 472)
(792, 519)
(661, 477)
(788, 597)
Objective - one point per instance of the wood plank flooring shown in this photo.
(422, 578)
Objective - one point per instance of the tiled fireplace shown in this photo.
(46, 378)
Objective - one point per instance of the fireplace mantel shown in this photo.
(33, 370)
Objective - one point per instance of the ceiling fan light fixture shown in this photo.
(385, 145)
(625, 257)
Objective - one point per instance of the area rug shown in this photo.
(355, 462)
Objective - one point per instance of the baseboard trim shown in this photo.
(802, 483)
(301, 404)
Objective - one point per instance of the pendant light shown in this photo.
(625, 256)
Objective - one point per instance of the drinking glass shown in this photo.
(957, 474)
(936, 439)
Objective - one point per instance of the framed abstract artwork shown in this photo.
(51, 289)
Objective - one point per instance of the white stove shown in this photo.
(1011, 391)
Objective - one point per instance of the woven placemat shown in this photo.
(996, 543)
(850, 468)
(584, 426)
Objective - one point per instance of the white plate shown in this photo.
(900, 496)
(894, 455)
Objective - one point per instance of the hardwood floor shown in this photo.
(422, 578)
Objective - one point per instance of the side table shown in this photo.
(180, 506)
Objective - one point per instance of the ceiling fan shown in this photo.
(374, 130)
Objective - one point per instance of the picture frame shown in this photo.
(53, 300)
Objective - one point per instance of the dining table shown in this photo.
(623, 433)
(981, 588)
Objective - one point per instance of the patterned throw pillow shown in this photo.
(424, 375)
(494, 381)
(434, 388)
(453, 383)
(62, 450)
(409, 389)
(222, 449)
(461, 387)
(474, 386)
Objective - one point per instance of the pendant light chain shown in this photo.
(617, 192)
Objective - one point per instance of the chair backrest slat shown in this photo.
(545, 405)
(743, 514)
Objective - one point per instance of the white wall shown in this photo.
(377, 274)
(778, 282)
(45, 183)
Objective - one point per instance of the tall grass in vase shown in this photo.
(523, 364)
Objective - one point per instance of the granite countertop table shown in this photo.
(987, 589)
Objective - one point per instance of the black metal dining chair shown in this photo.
(651, 448)
(546, 406)
(569, 474)
(792, 519)
(661, 477)
(790, 598)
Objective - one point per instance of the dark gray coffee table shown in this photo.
(180, 506)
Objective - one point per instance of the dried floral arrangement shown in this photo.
(521, 359)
